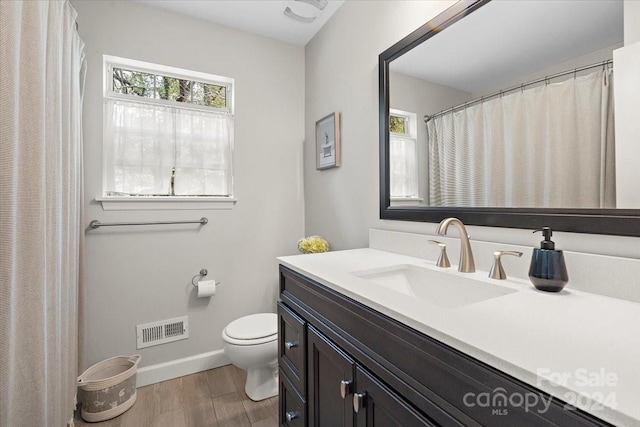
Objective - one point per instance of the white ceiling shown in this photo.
(506, 39)
(262, 17)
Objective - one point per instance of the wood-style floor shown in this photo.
(213, 398)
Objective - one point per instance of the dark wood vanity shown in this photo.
(345, 364)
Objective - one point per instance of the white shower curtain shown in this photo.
(550, 146)
(41, 75)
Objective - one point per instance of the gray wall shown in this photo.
(631, 21)
(341, 75)
(137, 275)
(597, 56)
(626, 90)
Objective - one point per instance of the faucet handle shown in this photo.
(497, 272)
(443, 260)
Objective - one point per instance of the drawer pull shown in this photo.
(345, 388)
(292, 415)
(291, 344)
(359, 401)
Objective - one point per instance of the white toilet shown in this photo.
(251, 343)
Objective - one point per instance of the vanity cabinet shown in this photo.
(353, 366)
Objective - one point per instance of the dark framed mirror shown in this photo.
(603, 217)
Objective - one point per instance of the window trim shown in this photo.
(126, 203)
(410, 120)
(150, 203)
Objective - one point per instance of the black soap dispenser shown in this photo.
(548, 271)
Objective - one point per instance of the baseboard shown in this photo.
(181, 367)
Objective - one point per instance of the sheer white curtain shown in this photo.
(549, 146)
(139, 147)
(40, 211)
(404, 166)
(144, 142)
(203, 153)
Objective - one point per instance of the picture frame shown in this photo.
(328, 142)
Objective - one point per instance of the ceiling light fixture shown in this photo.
(320, 4)
(291, 14)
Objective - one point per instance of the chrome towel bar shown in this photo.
(97, 224)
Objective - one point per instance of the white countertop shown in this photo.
(580, 347)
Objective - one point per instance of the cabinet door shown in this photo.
(375, 405)
(330, 381)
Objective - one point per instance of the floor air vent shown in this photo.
(162, 332)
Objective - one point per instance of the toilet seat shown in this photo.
(252, 330)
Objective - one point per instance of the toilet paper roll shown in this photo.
(206, 288)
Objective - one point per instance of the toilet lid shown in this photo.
(253, 326)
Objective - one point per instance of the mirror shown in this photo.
(468, 126)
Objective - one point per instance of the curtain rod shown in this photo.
(520, 86)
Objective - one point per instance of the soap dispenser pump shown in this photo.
(548, 271)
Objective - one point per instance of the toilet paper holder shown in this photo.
(200, 275)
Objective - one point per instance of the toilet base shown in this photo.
(262, 383)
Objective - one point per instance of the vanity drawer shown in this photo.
(292, 347)
(293, 408)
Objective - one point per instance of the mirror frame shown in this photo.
(623, 222)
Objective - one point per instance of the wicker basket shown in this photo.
(108, 388)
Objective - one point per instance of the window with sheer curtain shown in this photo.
(403, 155)
(167, 131)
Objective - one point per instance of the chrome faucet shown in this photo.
(466, 264)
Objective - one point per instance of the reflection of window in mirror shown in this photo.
(398, 124)
(403, 154)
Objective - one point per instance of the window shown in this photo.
(167, 131)
(398, 124)
(154, 86)
(403, 154)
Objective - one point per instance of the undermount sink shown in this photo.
(440, 288)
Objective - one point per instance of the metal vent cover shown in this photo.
(162, 332)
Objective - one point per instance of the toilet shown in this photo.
(251, 343)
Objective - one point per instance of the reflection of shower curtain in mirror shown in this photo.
(549, 146)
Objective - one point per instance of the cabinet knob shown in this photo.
(291, 344)
(291, 415)
(359, 401)
(345, 388)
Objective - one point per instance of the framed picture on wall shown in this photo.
(328, 141)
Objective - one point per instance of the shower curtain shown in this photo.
(41, 79)
(549, 146)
